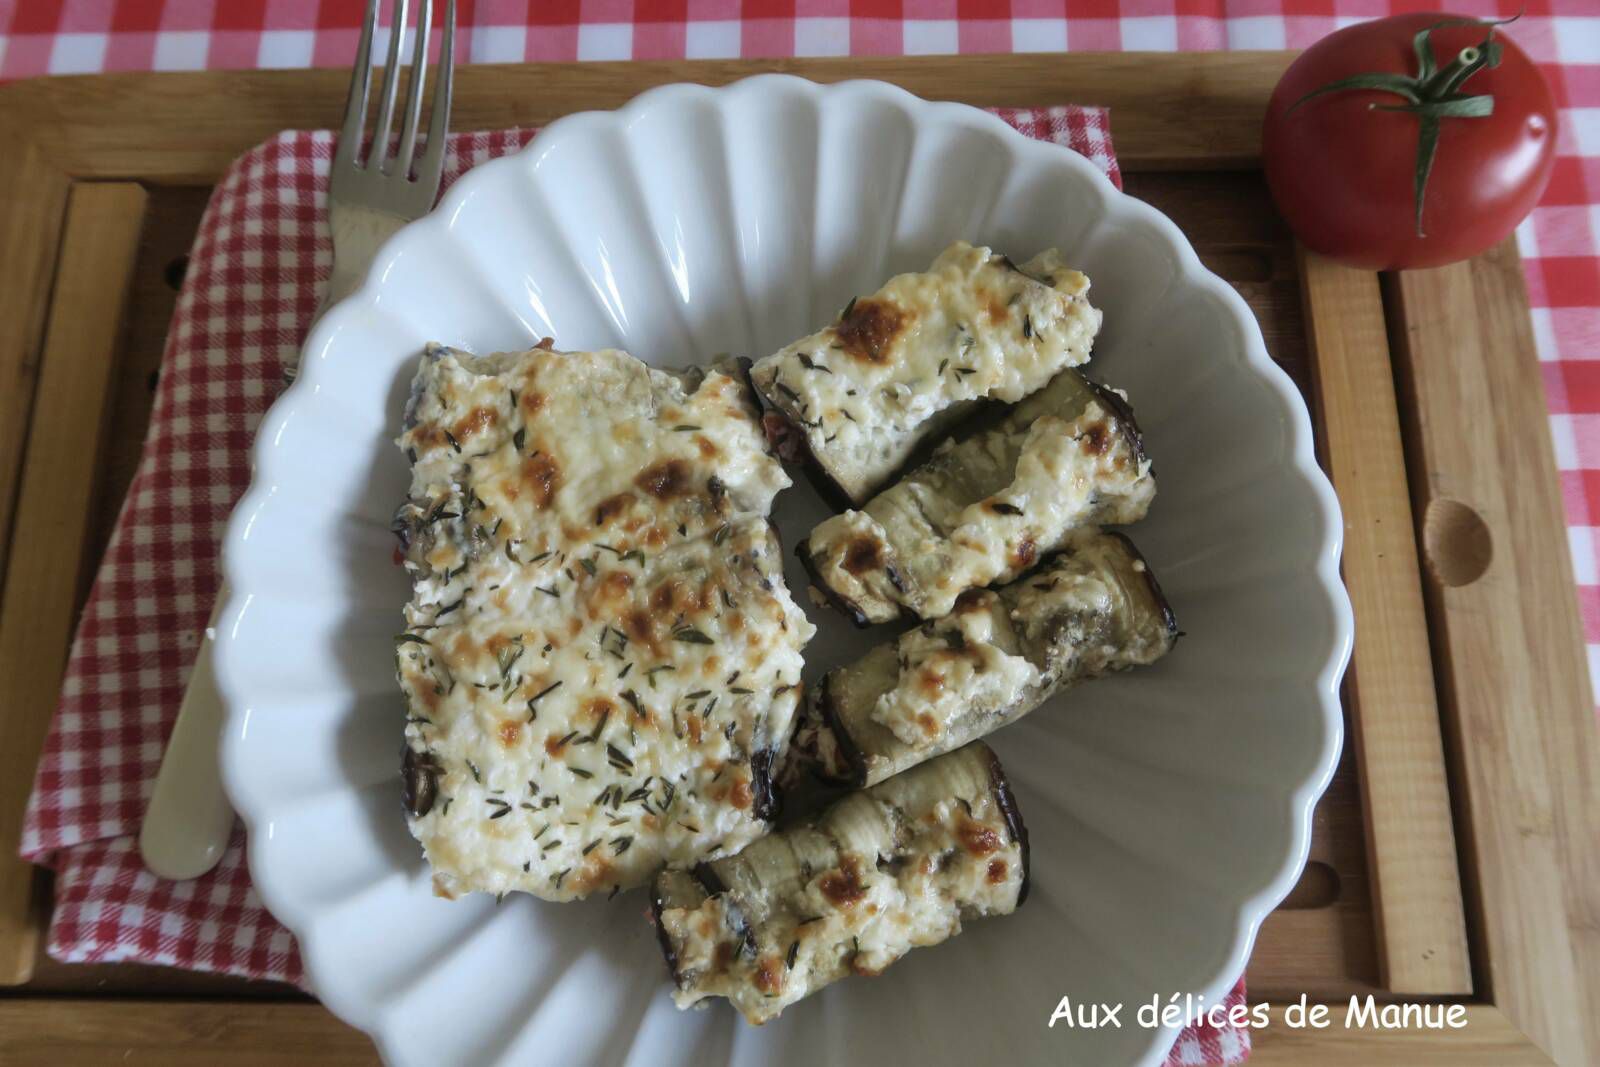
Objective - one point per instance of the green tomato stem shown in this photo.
(1432, 94)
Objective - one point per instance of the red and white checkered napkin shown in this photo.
(253, 283)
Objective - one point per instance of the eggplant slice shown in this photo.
(899, 366)
(984, 509)
(1092, 608)
(882, 871)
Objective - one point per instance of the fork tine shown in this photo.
(412, 116)
(431, 167)
(355, 104)
(391, 86)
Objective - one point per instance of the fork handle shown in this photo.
(358, 232)
(188, 823)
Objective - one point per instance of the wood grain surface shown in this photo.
(1393, 706)
(1202, 111)
(1508, 642)
(1321, 941)
(172, 217)
(48, 554)
(33, 199)
(44, 1032)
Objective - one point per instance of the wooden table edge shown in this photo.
(186, 127)
(170, 1033)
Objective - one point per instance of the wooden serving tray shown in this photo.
(1456, 854)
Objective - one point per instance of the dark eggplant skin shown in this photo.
(788, 441)
(740, 371)
(419, 781)
(668, 953)
(1156, 592)
(840, 603)
(768, 795)
(843, 605)
(767, 802)
(1124, 413)
(658, 904)
(1007, 802)
(841, 737)
(700, 882)
(790, 444)
(708, 885)
(708, 878)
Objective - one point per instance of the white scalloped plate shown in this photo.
(1169, 808)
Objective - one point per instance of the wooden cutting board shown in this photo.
(1455, 854)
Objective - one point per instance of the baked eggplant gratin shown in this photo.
(602, 665)
(601, 661)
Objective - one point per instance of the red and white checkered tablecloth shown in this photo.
(106, 744)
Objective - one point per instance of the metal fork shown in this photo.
(188, 823)
(369, 200)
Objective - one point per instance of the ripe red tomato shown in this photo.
(1343, 167)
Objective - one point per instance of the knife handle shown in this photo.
(188, 823)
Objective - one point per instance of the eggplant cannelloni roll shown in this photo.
(987, 508)
(904, 363)
(881, 872)
(1094, 607)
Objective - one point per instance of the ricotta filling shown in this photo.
(951, 670)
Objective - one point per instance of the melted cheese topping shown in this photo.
(857, 916)
(601, 660)
(912, 547)
(972, 326)
(947, 671)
